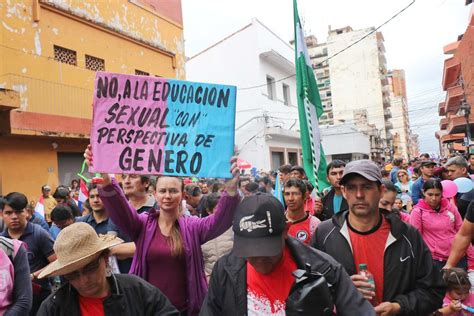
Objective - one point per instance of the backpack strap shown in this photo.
(8, 246)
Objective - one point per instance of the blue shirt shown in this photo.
(416, 189)
(337, 202)
(393, 174)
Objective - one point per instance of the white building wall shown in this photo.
(238, 61)
(355, 78)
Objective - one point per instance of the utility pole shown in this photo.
(466, 109)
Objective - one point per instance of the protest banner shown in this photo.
(151, 125)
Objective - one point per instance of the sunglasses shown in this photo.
(87, 270)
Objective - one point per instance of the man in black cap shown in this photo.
(404, 281)
(256, 277)
(427, 171)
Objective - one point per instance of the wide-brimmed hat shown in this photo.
(75, 247)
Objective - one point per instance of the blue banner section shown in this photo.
(208, 123)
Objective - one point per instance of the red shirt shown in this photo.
(369, 248)
(91, 306)
(267, 293)
(304, 228)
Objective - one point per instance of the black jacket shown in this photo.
(130, 296)
(227, 293)
(328, 205)
(410, 278)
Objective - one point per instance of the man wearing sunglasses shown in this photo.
(91, 289)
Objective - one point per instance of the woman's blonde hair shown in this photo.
(405, 172)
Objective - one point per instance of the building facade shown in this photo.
(398, 113)
(267, 125)
(457, 120)
(318, 53)
(50, 51)
(358, 76)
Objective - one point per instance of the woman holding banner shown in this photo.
(168, 246)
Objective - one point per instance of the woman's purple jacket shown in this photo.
(194, 232)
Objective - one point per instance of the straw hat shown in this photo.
(75, 247)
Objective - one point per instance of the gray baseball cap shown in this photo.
(365, 168)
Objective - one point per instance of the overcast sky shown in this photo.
(414, 40)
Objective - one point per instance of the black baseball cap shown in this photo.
(427, 163)
(365, 168)
(259, 223)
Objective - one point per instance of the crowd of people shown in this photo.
(260, 244)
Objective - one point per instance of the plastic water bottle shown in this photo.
(370, 279)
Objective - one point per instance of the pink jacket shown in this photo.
(437, 228)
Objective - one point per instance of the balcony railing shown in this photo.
(47, 97)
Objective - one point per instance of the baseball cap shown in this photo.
(427, 163)
(365, 168)
(259, 222)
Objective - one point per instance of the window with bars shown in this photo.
(94, 63)
(141, 73)
(64, 55)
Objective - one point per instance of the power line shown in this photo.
(342, 50)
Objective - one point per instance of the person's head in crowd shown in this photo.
(425, 157)
(457, 167)
(135, 186)
(192, 194)
(94, 199)
(398, 204)
(284, 172)
(62, 216)
(204, 188)
(15, 215)
(61, 195)
(211, 202)
(458, 284)
(334, 172)
(46, 191)
(151, 190)
(243, 182)
(217, 186)
(266, 184)
(427, 168)
(405, 164)
(309, 189)
(385, 174)
(470, 159)
(250, 188)
(416, 173)
(388, 198)
(294, 193)
(86, 208)
(82, 258)
(297, 172)
(403, 176)
(74, 185)
(263, 247)
(362, 187)
(397, 162)
(30, 209)
(432, 193)
(441, 172)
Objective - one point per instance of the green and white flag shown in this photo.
(309, 110)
